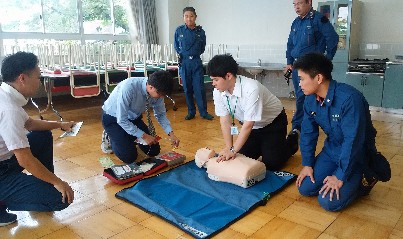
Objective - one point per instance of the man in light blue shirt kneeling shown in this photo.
(122, 116)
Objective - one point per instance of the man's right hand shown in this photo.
(288, 67)
(149, 139)
(66, 191)
(305, 171)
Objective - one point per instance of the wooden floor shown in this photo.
(96, 213)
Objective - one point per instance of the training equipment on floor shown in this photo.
(202, 207)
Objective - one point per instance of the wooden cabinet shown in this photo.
(370, 85)
(393, 87)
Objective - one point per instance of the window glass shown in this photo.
(120, 14)
(341, 25)
(97, 17)
(21, 16)
(60, 16)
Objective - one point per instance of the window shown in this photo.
(60, 16)
(21, 16)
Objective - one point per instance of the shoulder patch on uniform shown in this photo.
(199, 27)
(324, 19)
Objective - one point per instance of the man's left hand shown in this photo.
(226, 154)
(331, 184)
(174, 140)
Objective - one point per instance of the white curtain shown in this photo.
(144, 21)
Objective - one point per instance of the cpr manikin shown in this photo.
(241, 171)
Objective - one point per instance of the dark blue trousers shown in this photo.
(191, 72)
(22, 192)
(325, 166)
(300, 97)
(123, 144)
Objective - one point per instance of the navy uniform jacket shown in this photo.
(189, 42)
(345, 119)
(313, 33)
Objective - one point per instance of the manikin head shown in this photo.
(203, 155)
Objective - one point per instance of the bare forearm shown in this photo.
(41, 125)
(36, 168)
(226, 131)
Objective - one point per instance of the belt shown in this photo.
(191, 57)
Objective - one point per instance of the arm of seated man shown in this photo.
(36, 168)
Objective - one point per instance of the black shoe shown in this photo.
(292, 142)
(366, 185)
(208, 117)
(189, 117)
(7, 218)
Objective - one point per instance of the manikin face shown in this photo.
(302, 7)
(190, 19)
(222, 84)
(308, 84)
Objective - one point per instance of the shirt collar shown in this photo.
(310, 14)
(186, 26)
(237, 89)
(144, 86)
(14, 94)
(330, 94)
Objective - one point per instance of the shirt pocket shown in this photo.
(336, 131)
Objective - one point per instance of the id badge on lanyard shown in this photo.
(234, 128)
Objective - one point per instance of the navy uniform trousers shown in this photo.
(192, 74)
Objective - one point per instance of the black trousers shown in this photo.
(270, 143)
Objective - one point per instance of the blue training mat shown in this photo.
(187, 198)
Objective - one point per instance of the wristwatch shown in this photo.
(232, 150)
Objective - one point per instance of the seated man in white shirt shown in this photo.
(261, 114)
(26, 143)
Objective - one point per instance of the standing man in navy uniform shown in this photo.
(341, 111)
(190, 43)
(311, 31)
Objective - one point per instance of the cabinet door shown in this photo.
(393, 87)
(373, 89)
(339, 71)
(356, 80)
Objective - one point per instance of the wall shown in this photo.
(260, 27)
(169, 16)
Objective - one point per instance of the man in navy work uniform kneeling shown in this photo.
(335, 174)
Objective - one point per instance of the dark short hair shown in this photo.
(162, 81)
(16, 64)
(313, 64)
(220, 65)
(189, 9)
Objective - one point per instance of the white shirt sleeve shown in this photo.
(220, 108)
(14, 133)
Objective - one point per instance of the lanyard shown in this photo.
(236, 103)
(230, 111)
